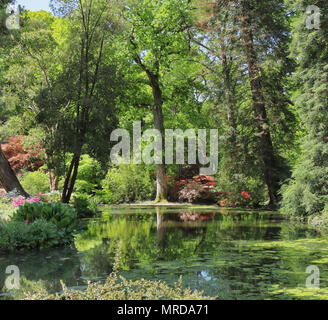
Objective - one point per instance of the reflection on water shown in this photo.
(230, 254)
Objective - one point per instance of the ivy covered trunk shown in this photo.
(266, 150)
(8, 179)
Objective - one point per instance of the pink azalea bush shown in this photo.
(19, 201)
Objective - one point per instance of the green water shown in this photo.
(229, 254)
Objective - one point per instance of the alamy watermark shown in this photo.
(313, 20)
(12, 281)
(13, 21)
(313, 280)
(159, 149)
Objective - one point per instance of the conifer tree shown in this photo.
(258, 34)
(307, 191)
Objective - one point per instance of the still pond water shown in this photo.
(229, 254)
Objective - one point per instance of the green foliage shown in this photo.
(68, 95)
(234, 184)
(320, 221)
(128, 183)
(38, 234)
(306, 194)
(53, 197)
(118, 288)
(62, 215)
(86, 206)
(88, 177)
(35, 182)
(6, 209)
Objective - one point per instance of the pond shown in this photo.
(229, 254)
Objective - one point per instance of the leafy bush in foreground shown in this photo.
(39, 234)
(62, 215)
(118, 288)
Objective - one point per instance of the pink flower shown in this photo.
(21, 201)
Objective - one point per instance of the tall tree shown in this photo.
(217, 35)
(156, 35)
(8, 178)
(307, 192)
(270, 162)
(259, 31)
(87, 87)
(33, 56)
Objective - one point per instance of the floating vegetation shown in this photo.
(236, 255)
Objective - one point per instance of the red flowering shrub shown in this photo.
(246, 196)
(20, 157)
(244, 199)
(227, 203)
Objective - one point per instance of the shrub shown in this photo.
(306, 193)
(244, 199)
(191, 192)
(4, 199)
(242, 191)
(128, 183)
(35, 182)
(62, 215)
(6, 210)
(197, 189)
(320, 221)
(53, 197)
(118, 288)
(39, 234)
(86, 206)
(89, 176)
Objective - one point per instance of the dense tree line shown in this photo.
(250, 68)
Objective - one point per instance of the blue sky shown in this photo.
(34, 5)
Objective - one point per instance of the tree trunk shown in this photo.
(71, 178)
(159, 125)
(229, 98)
(161, 179)
(53, 182)
(269, 160)
(8, 178)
